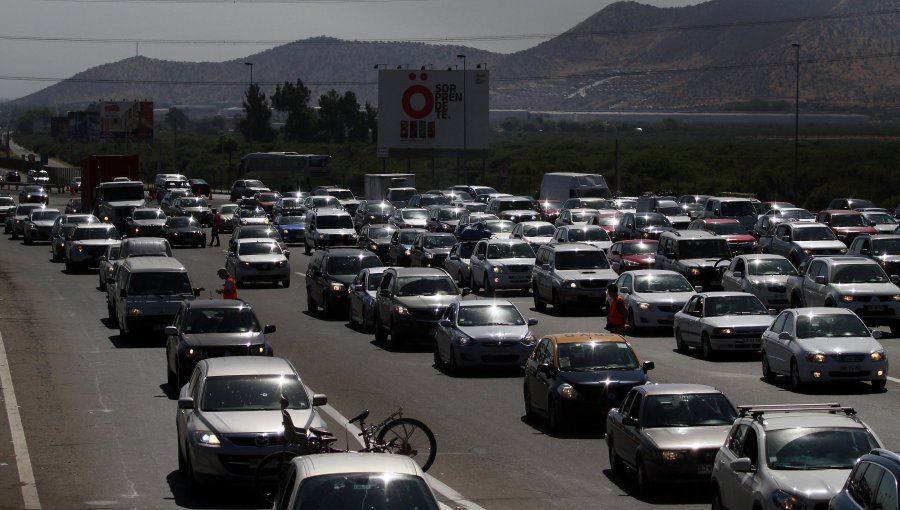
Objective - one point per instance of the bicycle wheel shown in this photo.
(269, 474)
(410, 437)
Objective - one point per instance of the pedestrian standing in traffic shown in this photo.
(229, 288)
(617, 312)
(216, 223)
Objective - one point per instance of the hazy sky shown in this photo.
(253, 20)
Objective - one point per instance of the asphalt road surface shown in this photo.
(98, 418)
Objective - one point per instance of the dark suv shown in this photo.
(695, 254)
(412, 301)
(871, 484)
(328, 275)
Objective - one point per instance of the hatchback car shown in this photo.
(229, 416)
(193, 207)
(249, 216)
(537, 233)
(372, 213)
(210, 328)
(576, 376)
(328, 227)
(823, 344)
(668, 432)
(330, 273)
(409, 218)
(483, 333)
(15, 220)
(871, 484)
(361, 307)
(721, 321)
(377, 239)
(632, 254)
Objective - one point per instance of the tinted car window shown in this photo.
(490, 316)
(252, 393)
(817, 448)
(581, 260)
(364, 490)
(350, 265)
(334, 222)
(259, 249)
(425, 286)
(838, 325)
(692, 410)
(159, 283)
(221, 320)
(606, 355)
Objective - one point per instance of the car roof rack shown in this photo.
(756, 411)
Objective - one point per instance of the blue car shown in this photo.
(292, 228)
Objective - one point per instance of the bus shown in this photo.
(286, 171)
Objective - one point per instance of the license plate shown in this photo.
(704, 469)
(850, 368)
(875, 308)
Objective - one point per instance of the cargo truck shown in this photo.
(375, 186)
(102, 194)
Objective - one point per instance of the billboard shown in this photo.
(126, 120)
(431, 109)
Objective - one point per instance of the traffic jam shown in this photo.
(458, 273)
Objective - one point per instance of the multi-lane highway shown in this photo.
(98, 419)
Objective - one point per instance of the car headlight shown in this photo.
(695, 271)
(644, 306)
(407, 252)
(878, 356)
(372, 218)
(207, 438)
(842, 251)
(497, 269)
(896, 297)
(646, 235)
(194, 352)
(629, 263)
(816, 357)
(243, 222)
(787, 501)
(722, 331)
(401, 310)
(136, 230)
(807, 252)
(245, 264)
(354, 236)
(465, 340)
(259, 349)
(135, 311)
(79, 248)
(848, 299)
(672, 455)
(280, 263)
(373, 247)
(337, 287)
(106, 218)
(285, 231)
(567, 391)
(429, 256)
(529, 339)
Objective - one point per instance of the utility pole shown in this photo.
(797, 115)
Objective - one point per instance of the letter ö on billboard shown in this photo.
(433, 109)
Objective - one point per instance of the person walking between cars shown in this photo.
(229, 288)
(216, 223)
(615, 319)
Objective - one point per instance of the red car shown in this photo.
(632, 254)
(607, 221)
(266, 200)
(550, 209)
(739, 241)
(845, 224)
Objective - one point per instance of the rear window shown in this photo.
(82, 234)
(351, 265)
(161, 283)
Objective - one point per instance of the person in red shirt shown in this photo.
(216, 224)
(616, 318)
(229, 288)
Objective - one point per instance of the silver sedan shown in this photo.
(258, 260)
(721, 321)
(764, 276)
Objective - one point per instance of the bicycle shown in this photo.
(396, 434)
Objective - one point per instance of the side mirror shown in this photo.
(445, 323)
(453, 257)
(648, 365)
(197, 291)
(895, 279)
(532, 322)
(624, 290)
(737, 274)
(546, 267)
(319, 400)
(170, 331)
(876, 334)
(785, 336)
(385, 293)
(773, 312)
(698, 289)
(742, 465)
(359, 287)
(546, 369)
(820, 280)
(287, 254)
(480, 256)
(102, 258)
(630, 421)
(268, 328)
(466, 291)
(186, 403)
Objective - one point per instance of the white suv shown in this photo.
(788, 456)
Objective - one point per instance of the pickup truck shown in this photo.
(882, 248)
(797, 241)
(856, 283)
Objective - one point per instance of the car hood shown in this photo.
(581, 274)
(438, 251)
(196, 209)
(499, 332)
(739, 238)
(513, 262)
(293, 226)
(262, 258)
(420, 302)
(885, 228)
(866, 288)
(96, 242)
(816, 484)
(600, 376)
(640, 259)
(704, 262)
(337, 231)
(821, 245)
(148, 223)
(43, 223)
(224, 339)
(855, 230)
(417, 222)
(856, 344)
(241, 422)
(184, 230)
(777, 279)
(346, 279)
(127, 203)
(603, 245)
(688, 438)
(738, 321)
(664, 297)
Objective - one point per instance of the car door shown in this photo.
(395, 249)
(172, 341)
(538, 274)
(630, 437)
(728, 482)
(732, 282)
(783, 345)
(535, 390)
(614, 419)
(814, 291)
(443, 335)
(478, 261)
(416, 252)
(689, 320)
(384, 302)
(356, 297)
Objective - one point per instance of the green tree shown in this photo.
(25, 123)
(293, 99)
(331, 122)
(176, 119)
(256, 125)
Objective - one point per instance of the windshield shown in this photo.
(814, 234)
(885, 247)
(848, 220)
(626, 204)
(33, 189)
(113, 252)
(334, 222)
(291, 220)
(252, 393)
(259, 249)
(726, 229)
(221, 320)
(288, 203)
(44, 215)
(491, 315)
(260, 233)
(325, 202)
(351, 265)
(379, 208)
(734, 305)
(581, 259)
(690, 410)
(228, 209)
(674, 210)
(123, 193)
(439, 241)
(253, 213)
(598, 203)
(165, 283)
(374, 281)
(364, 491)
(588, 234)
(516, 205)
(342, 194)
(797, 214)
(583, 216)
(539, 231)
(703, 249)
(497, 227)
(7, 201)
(662, 283)
(433, 200)
(450, 214)
(381, 233)
(770, 267)
(426, 286)
(639, 248)
(881, 218)
(738, 209)
(182, 222)
(551, 204)
(408, 237)
(175, 184)
(807, 448)
(860, 273)
(254, 184)
(95, 233)
(510, 251)
(194, 202)
(836, 325)
(652, 220)
(414, 214)
(596, 355)
(149, 215)
(401, 194)
(475, 207)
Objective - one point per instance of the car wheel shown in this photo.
(557, 305)
(285, 283)
(879, 384)
(488, 286)
(706, 347)
(14, 235)
(306, 249)
(538, 304)
(110, 311)
(182, 463)
(643, 482)
(454, 364)
(680, 346)
(123, 335)
(529, 409)
(381, 334)
(27, 239)
(171, 377)
(472, 283)
(554, 416)
(632, 325)
(310, 304)
(350, 320)
(796, 382)
(829, 303)
(717, 499)
(327, 310)
(615, 463)
(796, 302)
(768, 374)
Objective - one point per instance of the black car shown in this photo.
(641, 226)
(184, 230)
(431, 250)
(377, 239)
(13, 176)
(145, 222)
(372, 213)
(210, 328)
(445, 219)
(401, 245)
(328, 276)
(33, 194)
(871, 484)
(410, 302)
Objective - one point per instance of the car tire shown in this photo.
(879, 384)
(69, 266)
(643, 482)
(438, 362)
(454, 364)
(350, 320)
(311, 306)
(706, 347)
(632, 325)
(123, 335)
(554, 417)
(171, 377)
(796, 302)
(529, 409)
(488, 286)
(796, 381)
(327, 310)
(472, 283)
(285, 283)
(557, 305)
(27, 240)
(182, 462)
(717, 499)
(680, 346)
(767, 373)
(381, 334)
(616, 466)
(110, 311)
(14, 235)
(306, 250)
(538, 304)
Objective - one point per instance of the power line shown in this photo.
(446, 39)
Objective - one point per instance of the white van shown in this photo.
(565, 185)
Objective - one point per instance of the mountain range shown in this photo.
(713, 56)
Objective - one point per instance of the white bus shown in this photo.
(286, 171)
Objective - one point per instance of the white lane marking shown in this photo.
(300, 274)
(438, 486)
(893, 379)
(20, 447)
